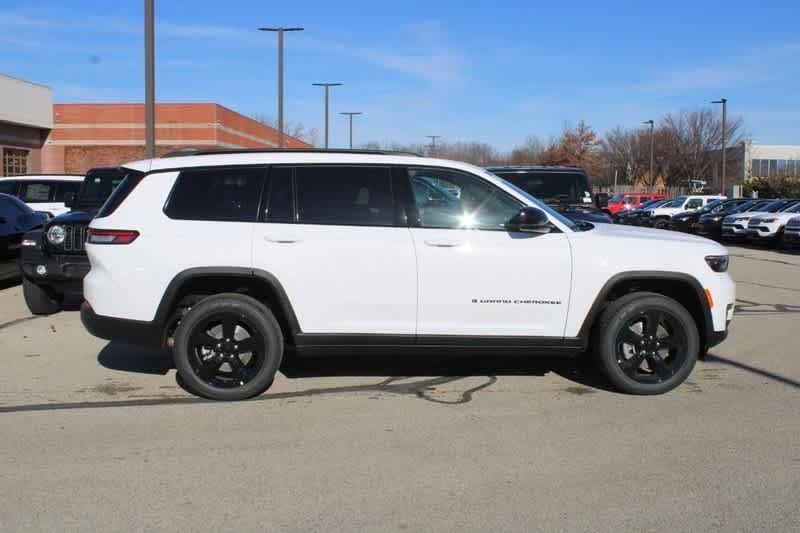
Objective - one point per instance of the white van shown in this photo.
(42, 192)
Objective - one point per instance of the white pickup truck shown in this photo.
(659, 217)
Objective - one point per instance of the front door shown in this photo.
(475, 277)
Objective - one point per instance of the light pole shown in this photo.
(327, 96)
(280, 31)
(724, 102)
(652, 149)
(351, 114)
(149, 80)
(433, 142)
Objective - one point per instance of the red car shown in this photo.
(628, 201)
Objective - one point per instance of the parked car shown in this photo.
(734, 227)
(635, 216)
(689, 221)
(791, 235)
(230, 257)
(565, 189)
(630, 201)
(769, 228)
(53, 258)
(15, 219)
(44, 193)
(660, 216)
(710, 224)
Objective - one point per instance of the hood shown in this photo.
(597, 217)
(74, 217)
(653, 236)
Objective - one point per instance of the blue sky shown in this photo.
(467, 70)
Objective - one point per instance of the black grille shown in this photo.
(76, 236)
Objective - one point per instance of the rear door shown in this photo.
(337, 240)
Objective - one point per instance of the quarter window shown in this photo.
(225, 194)
(456, 200)
(345, 195)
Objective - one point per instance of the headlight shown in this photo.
(768, 220)
(56, 235)
(718, 263)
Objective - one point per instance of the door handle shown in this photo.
(443, 243)
(282, 239)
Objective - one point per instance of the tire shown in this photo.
(225, 371)
(660, 223)
(668, 358)
(39, 300)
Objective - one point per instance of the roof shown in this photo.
(222, 151)
(58, 177)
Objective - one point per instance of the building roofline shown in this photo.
(23, 80)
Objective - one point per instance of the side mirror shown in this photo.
(530, 220)
(69, 200)
(601, 199)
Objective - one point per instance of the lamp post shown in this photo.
(351, 114)
(327, 97)
(433, 142)
(724, 102)
(652, 149)
(149, 80)
(280, 31)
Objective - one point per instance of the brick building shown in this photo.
(26, 115)
(92, 135)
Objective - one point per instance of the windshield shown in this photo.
(774, 207)
(794, 209)
(653, 204)
(711, 206)
(550, 186)
(677, 202)
(544, 207)
(753, 206)
(98, 185)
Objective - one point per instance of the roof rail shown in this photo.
(221, 151)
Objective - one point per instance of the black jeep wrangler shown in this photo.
(53, 259)
(564, 188)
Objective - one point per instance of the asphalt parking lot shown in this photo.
(101, 436)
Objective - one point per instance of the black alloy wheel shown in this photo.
(651, 347)
(228, 347)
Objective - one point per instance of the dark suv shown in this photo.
(563, 188)
(53, 259)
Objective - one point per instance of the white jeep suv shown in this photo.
(769, 227)
(736, 226)
(660, 216)
(230, 257)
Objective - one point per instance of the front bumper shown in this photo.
(63, 273)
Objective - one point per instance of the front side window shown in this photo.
(694, 203)
(630, 200)
(345, 195)
(457, 200)
(37, 191)
(224, 194)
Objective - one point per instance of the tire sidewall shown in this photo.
(258, 316)
(618, 316)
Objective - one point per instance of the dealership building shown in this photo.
(748, 160)
(37, 136)
(26, 118)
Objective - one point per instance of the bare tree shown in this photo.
(292, 129)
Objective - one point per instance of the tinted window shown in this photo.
(345, 196)
(226, 194)
(37, 191)
(280, 203)
(65, 187)
(8, 187)
(98, 186)
(456, 200)
(550, 186)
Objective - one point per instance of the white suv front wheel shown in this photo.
(648, 343)
(228, 347)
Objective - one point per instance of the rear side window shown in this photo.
(120, 193)
(37, 191)
(225, 194)
(345, 195)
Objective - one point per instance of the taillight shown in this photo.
(111, 236)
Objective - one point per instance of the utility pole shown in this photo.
(652, 150)
(724, 102)
(327, 96)
(351, 114)
(149, 80)
(433, 142)
(280, 31)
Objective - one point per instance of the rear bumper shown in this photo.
(121, 330)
